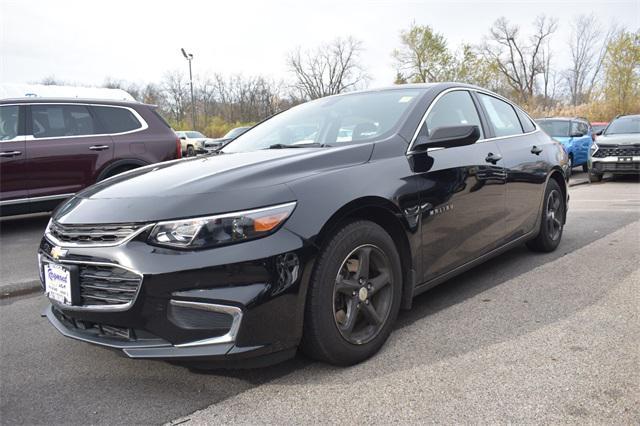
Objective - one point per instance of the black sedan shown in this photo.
(312, 230)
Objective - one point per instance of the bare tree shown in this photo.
(176, 94)
(519, 59)
(586, 49)
(329, 69)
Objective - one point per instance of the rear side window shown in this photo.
(453, 109)
(116, 120)
(8, 122)
(501, 115)
(50, 121)
(527, 124)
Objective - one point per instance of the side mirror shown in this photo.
(184, 138)
(448, 137)
(600, 132)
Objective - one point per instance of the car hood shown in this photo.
(621, 139)
(205, 185)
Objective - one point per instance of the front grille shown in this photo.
(617, 151)
(92, 234)
(107, 285)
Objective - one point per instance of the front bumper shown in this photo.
(192, 305)
(618, 165)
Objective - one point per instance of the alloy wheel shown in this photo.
(363, 294)
(553, 219)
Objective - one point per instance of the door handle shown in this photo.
(536, 150)
(493, 158)
(98, 147)
(10, 153)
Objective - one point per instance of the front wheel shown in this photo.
(190, 151)
(354, 295)
(585, 168)
(552, 221)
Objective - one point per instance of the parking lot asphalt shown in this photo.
(523, 338)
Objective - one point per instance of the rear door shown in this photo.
(462, 195)
(13, 154)
(66, 147)
(524, 159)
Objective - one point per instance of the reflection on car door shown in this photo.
(524, 158)
(66, 149)
(13, 154)
(462, 195)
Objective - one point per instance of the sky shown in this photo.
(87, 41)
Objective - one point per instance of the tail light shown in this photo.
(178, 149)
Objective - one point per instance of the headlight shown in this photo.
(201, 232)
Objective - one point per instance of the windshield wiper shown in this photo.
(306, 145)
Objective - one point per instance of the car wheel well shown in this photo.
(119, 167)
(383, 213)
(557, 176)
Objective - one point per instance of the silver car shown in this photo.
(618, 148)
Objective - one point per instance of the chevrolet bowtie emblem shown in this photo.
(58, 252)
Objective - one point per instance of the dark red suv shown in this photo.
(52, 148)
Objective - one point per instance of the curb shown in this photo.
(19, 289)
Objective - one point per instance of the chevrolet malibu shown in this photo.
(295, 235)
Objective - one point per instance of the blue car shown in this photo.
(575, 134)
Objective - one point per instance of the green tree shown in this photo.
(622, 72)
(424, 56)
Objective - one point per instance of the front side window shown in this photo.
(116, 120)
(50, 121)
(453, 109)
(331, 121)
(8, 122)
(501, 115)
(194, 135)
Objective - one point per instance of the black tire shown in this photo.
(595, 177)
(552, 220)
(339, 326)
(570, 167)
(190, 151)
(585, 168)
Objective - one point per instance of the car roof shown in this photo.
(44, 100)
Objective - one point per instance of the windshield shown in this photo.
(330, 121)
(234, 133)
(624, 125)
(556, 128)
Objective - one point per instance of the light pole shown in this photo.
(189, 57)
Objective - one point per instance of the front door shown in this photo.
(462, 194)
(13, 155)
(66, 149)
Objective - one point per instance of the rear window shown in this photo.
(527, 124)
(116, 120)
(50, 121)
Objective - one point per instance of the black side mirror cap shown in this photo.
(600, 132)
(448, 137)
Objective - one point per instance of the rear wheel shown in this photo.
(552, 221)
(118, 170)
(354, 295)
